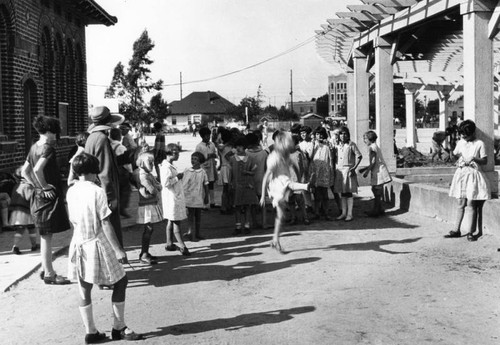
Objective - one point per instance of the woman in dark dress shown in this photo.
(47, 206)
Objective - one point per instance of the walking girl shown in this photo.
(379, 173)
(277, 176)
(469, 185)
(173, 200)
(346, 181)
(95, 255)
(149, 211)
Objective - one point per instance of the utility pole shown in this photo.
(181, 85)
(291, 91)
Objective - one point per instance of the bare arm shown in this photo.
(264, 185)
(109, 231)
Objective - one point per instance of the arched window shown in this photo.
(30, 112)
(48, 73)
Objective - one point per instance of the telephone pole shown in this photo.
(291, 91)
(181, 84)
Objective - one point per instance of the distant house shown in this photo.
(303, 107)
(312, 120)
(194, 107)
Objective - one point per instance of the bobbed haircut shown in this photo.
(81, 138)
(371, 135)
(204, 131)
(145, 160)
(44, 124)
(321, 131)
(467, 128)
(170, 147)
(252, 139)
(225, 135)
(241, 141)
(85, 163)
(295, 129)
(115, 134)
(306, 129)
(258, 133)
(158, 126)
(201, 157)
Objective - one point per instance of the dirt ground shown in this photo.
(389, 280)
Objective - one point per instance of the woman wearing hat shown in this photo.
(99, 146)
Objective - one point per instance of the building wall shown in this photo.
(43, 71)
(337, 93)
(303, 107)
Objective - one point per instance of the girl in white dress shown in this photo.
(149, 210)
(379, 173)
(95, 255)
(173, 200)
(469, 185)
(280, 184)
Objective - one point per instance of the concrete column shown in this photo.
(351, 111)
(384, 100)
(410, 96)
(360, 123)
(478, 78)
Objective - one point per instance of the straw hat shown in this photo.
(101, 119)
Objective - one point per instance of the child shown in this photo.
(80, 140)
(47, 205)
(280, 184)
(226, 151)
(208, 149)
(379, 173)
(149, 211)
(297, 174)
(195, 184)
(242, 181)
(95, 255)
(469, 184)
(322, 165)
(20, 215)
(346, 181)
(173, 201)
(159, 147)
(259, 156)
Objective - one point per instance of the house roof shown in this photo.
(206, 102)
(312, 116)
(95, 14)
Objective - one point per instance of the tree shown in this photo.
(157, 109)
(322, 105)
(285, 114)
(130, 86)
(254, 109)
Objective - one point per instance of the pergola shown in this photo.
(441, 45)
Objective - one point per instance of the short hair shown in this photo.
(306, 129)
(81, 138)
(295, 129)
(44, 124)
(145, 160)
(115, 134)
(204, 131)
(158, 126)
(252, 139)
(201, 157)
(85, 163)
(258, 133)
(371, 135)
(225, 135)
(241, 141)
(321, 131)
(344, 129)
(170, 147)
(467, 128)
(296, 139)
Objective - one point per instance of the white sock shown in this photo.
(88, 319)
(119, 315)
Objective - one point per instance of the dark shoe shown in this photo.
(147, 259)
(16, 250)
(188, 237)
(198, 237)
(184, 251)
(471, 237)
(171, 248)
(453, 234)
(236, 232)
(125, 334)
(94, 338)
(56, 280)
(214, 206)
(35, 248)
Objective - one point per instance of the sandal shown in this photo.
(453, 234)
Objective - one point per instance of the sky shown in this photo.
(203, 39)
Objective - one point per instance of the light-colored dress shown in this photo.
(225, 165)
(379, 172)
(193, 183)
(172, 194)
(149, 209)
(347, 154)
(210, 165)
(322, 166)
(469, 181)
(91, 256)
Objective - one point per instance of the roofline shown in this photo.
(98, 12)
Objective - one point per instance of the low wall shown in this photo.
(434, 202)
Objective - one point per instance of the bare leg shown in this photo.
(177, 233)
(168, 233)
(278, 223)
(46, 254)
(461, 203)
(479, 205)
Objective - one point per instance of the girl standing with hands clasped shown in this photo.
(280, 184)
(173, 200)
(95, 255)
(380, 174)
(346, 181)
(469, 185)
(149, 211)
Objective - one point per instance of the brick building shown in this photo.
(43, 70)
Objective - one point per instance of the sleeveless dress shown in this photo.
(380, 173)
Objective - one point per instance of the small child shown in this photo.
(209, 151)
(242, 181)
(20, 215)
(280, 184)
(95, 255)
(226, 151)
(149, 211)
(379, 173)
(297, 174)
(322, 165)
(346, 181)
(80, 140)
(173, 200)
(469, 185)
(259, 156)
(195, 184)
